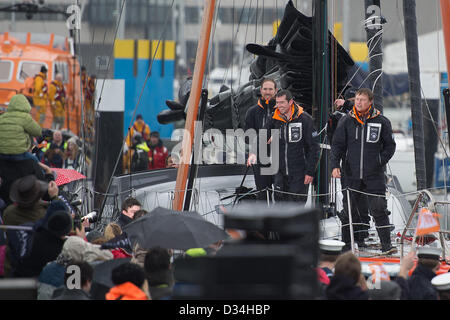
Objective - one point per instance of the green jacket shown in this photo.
(17, 127)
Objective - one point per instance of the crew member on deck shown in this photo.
(256, 119)
(57, 99)
(363, 140)
(298, 148)
(40, 95)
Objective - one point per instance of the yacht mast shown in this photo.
(412, 55)
(193, 104)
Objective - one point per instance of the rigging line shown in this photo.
(245, 41)
(232, 50)
(93, 34)
(210, 49)
(233, 40)
(376, 34)
(142, 92)
(438, 17)
(83, 112)
(262, 23)
(256, 22)
(375, 82)
(375, 55)
(367, 58)
(426, 102)
(434, 123)
(368, 76)
(150, 67)
(111, 53)
(334, 57)
(276, 14)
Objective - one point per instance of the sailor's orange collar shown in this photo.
(371, 113)
(296, 111)
(260, 105)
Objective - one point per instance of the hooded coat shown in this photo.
(299, 147)
(420, 287)
(17, 127)
(126, 291)
(157, 156)
(256, 118)
(344, 288)
(366, 146)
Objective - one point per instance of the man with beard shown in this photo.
(256, 118)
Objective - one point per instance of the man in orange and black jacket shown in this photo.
(364, 137)
(256, 118)
(298, 148)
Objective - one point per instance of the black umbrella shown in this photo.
(174, 230)
(102, 271)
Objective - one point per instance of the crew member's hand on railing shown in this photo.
(308, 179)
(336, 173)
(251, 159)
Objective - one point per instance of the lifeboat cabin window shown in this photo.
(6, 68)
(29, 69)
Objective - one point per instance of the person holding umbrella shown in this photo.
(174, 230)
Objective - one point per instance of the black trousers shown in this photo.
(362, 204)
(262, 182)
(360, 210)
(292, 183)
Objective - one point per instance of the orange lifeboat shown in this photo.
(21, 57)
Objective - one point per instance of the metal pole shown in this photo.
(411, 216)
(350, 221)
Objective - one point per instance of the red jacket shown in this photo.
(157, 157)
(120, 253)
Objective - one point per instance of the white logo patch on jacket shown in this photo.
(295, 132)
(373, 132)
